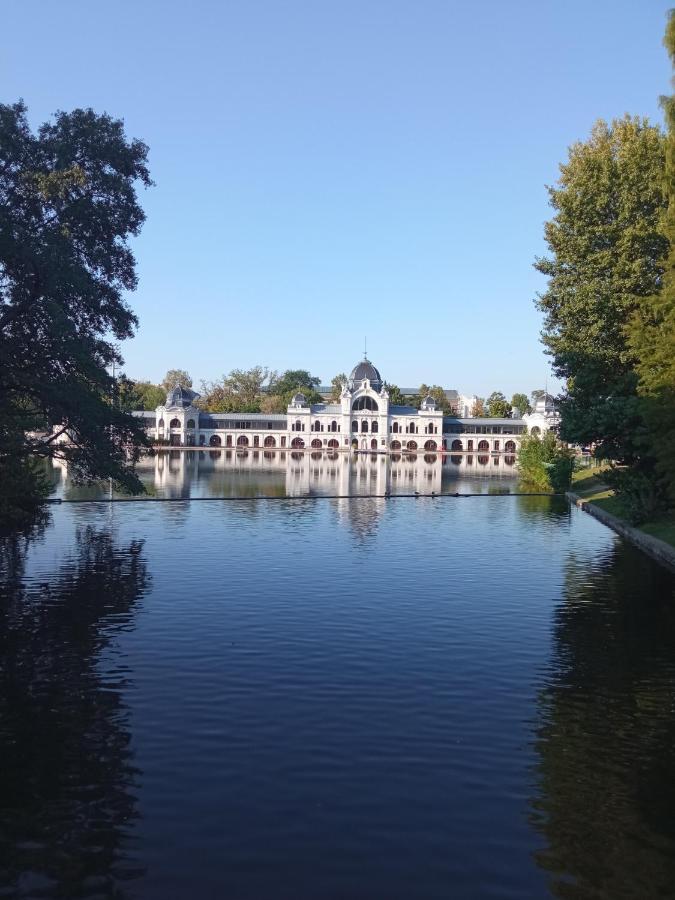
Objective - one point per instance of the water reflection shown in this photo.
(606, 734)
(180, 474)
(67, 782)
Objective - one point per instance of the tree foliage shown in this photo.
(337, 386)
(520, 402)
(544, 464)
(396, 398)
(651, 328)
(176, 378)
(478, 408)
(607, 255)
(498, 406)
(68, 207)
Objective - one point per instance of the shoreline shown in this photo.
(654, 547)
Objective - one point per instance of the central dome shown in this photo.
(365, 369)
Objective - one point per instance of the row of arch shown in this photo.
(431, 446)
(374, 427)
(509, 446)
(176, 423)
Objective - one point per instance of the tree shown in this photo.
(521, 403)
(543, 464)
(138, 395)
(498, 407)
(240, 391)
(607, 255)
(396, 398)
(295, 381)
(651, 328)
(68, 206)
(478, 408)
(337, 386)
(176, 377)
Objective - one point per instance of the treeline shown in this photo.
(609, 306)
(260, 389)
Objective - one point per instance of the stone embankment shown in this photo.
(659, 550)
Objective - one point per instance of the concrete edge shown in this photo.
(659, 550)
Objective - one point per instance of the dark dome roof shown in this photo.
(429, 401)
(180, 396)
(365, 369)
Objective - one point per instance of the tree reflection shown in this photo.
(67, 781)
(606, 738)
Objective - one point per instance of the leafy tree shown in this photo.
(137, 395)
(176, 377)
(498, 406)
(478, 408)
(651, 328)
(543, 464)
(521, 403)
(396, 398)
(149, 395)
(68, 206)
(294, 380)
(607, 255)
(337, 384)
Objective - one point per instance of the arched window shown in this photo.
(364, 425)
(174, 423)
(316, 444)
(430, 445)
(242, 441)
(483, 445)
(373, 444)
(333, 444)
(317, 425)
(365, 403)
(190, 423)
(215, 441)
(510, 446)
(456, 445)
(355, 426)
(269, 441)
(395, 445)
(412, 445)
(297, 426)
(297, 443)
(395, 428)
(333, 425)
(374, 427)
(160, 424)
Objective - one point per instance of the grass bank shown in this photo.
(589, 485)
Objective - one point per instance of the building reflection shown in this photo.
(67, 780)
(605, 738)
(251, 473)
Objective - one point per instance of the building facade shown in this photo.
(363, 420)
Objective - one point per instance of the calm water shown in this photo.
(367, 698)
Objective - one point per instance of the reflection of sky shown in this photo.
(383, 656)
(181, 474)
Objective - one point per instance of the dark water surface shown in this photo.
(365, 698)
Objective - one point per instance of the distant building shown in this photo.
(363, 419)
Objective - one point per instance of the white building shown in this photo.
(363, 420)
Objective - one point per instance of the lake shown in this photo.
(311, 697)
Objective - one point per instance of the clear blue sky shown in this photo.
(327, 170)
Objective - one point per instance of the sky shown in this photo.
(328, 172)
